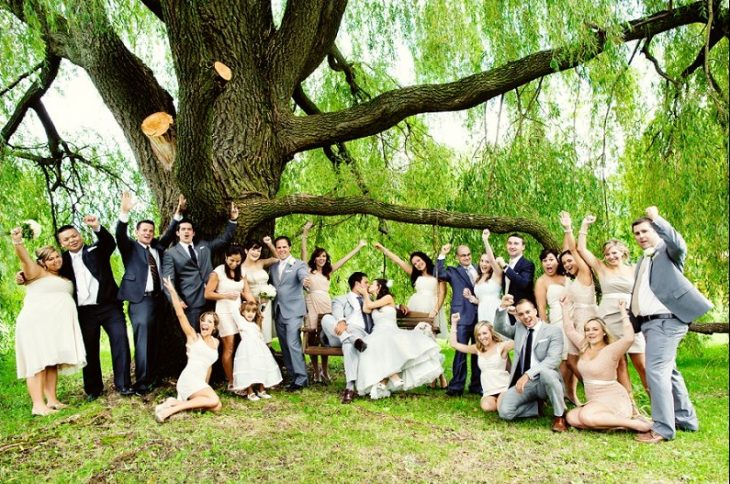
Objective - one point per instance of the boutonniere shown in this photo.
(290, 262)
(650, 252)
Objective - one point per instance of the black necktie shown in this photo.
(193, 257)
(525, 358)
(367, 317)
(153, 270)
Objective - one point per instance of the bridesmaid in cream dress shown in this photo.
(616, 278)
(47, 334)
(582, 293)
(430, 292)
(317, 295)
(549, 288)
(488, 286)
(254, 268)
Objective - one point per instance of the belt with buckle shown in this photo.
(644, 319)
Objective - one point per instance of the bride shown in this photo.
(395, 359)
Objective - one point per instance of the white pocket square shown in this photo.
(542, 340)
(93, 247)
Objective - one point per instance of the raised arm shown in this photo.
(501, 322)
(168, 238)
(31, 269)
(269, 260)
(105, 243)
(120, 232)
(399, 262)
(348, 256)
(190, 334)
(676, 246)
(472, 349)
(583, 251)
(229, 231)
(305, 235)
(441, 269)
(568, 324)
(498, 272)
(569, 244)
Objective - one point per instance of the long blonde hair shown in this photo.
(608, 337)
(495, 336)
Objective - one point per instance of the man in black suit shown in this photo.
(88, 267)
(189, 264)
(142, 285)
(518, 272)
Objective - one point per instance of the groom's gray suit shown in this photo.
(346, 308)
(545, 380)
(287, 277)
(670, 403)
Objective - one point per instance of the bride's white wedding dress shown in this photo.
(410, 353)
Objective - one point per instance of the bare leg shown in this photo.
(227, 358)
(35, 390)
(489, 403)
(49, 388)
(596, 415)
(205, 399)
(569, 372)
(315, 369)
(325, 372)
(640, 366)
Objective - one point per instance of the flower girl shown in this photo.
(254, 368)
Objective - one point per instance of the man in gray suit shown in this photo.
(189, 264)
(346, 327)
(289, 276)
(535, 375)
(663, 303)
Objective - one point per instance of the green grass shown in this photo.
(419, 436)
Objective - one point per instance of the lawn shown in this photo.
(309, 436)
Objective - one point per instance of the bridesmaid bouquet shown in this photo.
(267, 292)
(31, 229)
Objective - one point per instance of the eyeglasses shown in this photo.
(464, 255)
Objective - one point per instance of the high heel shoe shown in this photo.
(317, 377)
(324, 378)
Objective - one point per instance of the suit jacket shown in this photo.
(134, 257)
(289, 301)
(96, 259)
(547, 350)
(342, 308)
(459, 279)
(667, 280)
(189, 278)
(521, 277)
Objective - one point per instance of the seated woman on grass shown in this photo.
(193, 391)
(493, 359)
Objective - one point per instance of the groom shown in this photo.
(347, 326)
(663, 303)
(461, 277)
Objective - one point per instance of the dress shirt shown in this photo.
(87, 287)
(512, 263)
(648, 302)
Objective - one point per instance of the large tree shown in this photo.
(236, 125)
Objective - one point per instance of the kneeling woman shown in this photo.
(609, 405)
(493, 360)
(395, 359)
(193, 391)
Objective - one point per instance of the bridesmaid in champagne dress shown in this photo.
(616, 278)
(254, 268)
(317, 296)
(582, 293)
(488, 286)
(47, 334)
(430, 292)
(608, 406)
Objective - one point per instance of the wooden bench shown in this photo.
(313, 346)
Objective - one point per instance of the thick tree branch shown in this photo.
(20, 78)
(308, 30)
(154, 7)
(337, 62)
(388, 109)
(32, 96)
(263, 209)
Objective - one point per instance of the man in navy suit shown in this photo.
(188, 264)
(142, 285)
(88, 267)
(461, 277)
(518, 272)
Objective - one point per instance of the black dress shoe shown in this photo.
(360, 345)
(454, 393)
(142, 390)
(126, 392)
(347, 396)
(90, 397)
(294, 388)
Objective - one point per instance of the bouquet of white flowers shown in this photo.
(267, 292)
(31, 229)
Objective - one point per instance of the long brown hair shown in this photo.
(249, 305)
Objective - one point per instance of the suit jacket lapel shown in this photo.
(88, 262)
(465, 275)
